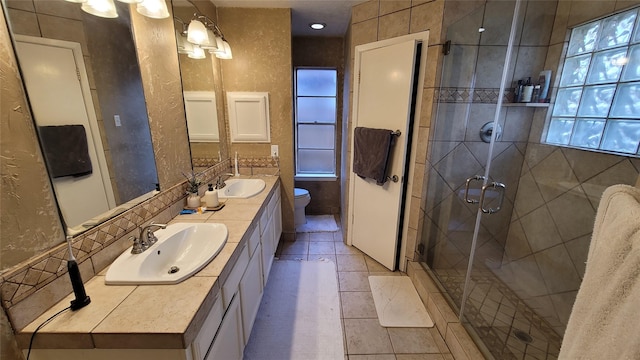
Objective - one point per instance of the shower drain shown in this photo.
(522, 336)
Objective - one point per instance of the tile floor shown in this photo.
(365, 339)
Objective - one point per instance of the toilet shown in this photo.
(301, 200)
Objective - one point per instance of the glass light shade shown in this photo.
(197, 33)
(197, 53)
(211, 44)
(227, 52)
(219, 45)
(101, 8)
(155, 9)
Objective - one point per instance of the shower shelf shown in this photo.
(540, 105)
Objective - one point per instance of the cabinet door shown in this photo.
(267, 250)
(205, 337)
(251, 293)
(228, 344)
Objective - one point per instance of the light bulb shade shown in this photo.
(101, 8)
(226, 55)
(197, 33)
(211, 44)
(219, 46)
(197, 53)
(155, 9)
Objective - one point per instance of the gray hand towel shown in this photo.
(66, 150)
(371, 152)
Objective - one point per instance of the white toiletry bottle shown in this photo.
(211, 197)
(527, 92)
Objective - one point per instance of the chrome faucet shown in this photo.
(220, 182)
(146, 238)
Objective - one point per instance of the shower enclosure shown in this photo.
(508, 217)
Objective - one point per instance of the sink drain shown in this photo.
(173, 270)
(522, 336)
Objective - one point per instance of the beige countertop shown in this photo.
(151, 316)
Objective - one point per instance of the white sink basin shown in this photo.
(181, 251)
(241, 188)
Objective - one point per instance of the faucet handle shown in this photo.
(151, 237)
(137, 246)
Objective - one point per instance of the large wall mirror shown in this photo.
(203, 91)
(84, 86)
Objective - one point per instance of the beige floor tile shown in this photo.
(351, 263)
(366, 336)
(375, 266)
(442, 346)
(344, 249)
(354, 281)
(338, 236)
(302, 236)
(292, 257)
(323, 257)
(413, 341)
(358, 305)
(295, 248)
(420, 357)
(321, 236)
(321, 247)
(373, 357)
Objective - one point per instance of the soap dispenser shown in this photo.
(211, 197)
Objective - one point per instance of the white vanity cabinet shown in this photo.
(228, 344)
(251, 293)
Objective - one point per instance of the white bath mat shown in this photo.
(299, 316)
(317, 223)
(398, 303)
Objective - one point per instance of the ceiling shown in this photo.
(335, 13)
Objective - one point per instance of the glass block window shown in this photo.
(597, 105)
(315, 122)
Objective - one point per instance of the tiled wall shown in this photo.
(261, 44)
(379, 20)
(323, 52)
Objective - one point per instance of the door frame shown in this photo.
(422, 37)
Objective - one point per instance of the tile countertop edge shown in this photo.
(58, 332)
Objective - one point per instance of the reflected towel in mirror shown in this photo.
(66, 150)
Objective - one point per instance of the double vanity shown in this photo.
(193, 295)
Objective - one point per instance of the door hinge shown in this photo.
(446, 47)
(421, 249)
(78, 74)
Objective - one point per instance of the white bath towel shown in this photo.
(605, 320)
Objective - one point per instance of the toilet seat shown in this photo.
(298, 193)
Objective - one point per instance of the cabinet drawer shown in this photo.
(231, 284)
(203, 340)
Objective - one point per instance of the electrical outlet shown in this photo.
(274, 151)
(116, 118)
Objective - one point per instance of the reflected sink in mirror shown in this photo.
(182, 250)
(241, 188)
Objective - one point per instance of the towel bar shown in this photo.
(396, 133)
(393, 178)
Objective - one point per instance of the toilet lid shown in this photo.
(300, 192)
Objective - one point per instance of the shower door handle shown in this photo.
(466, 188)
(499, 187)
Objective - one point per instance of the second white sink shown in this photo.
(241, 188)
(182, 250)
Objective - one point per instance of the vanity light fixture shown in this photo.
(201, 34)
(155, 9)
(317, 26)
(101, 8)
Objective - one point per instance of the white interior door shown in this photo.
(53, 80)
(383, 100)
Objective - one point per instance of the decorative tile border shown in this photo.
(472, 95)
(25, 279)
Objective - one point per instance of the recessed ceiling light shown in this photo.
(317, 26)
